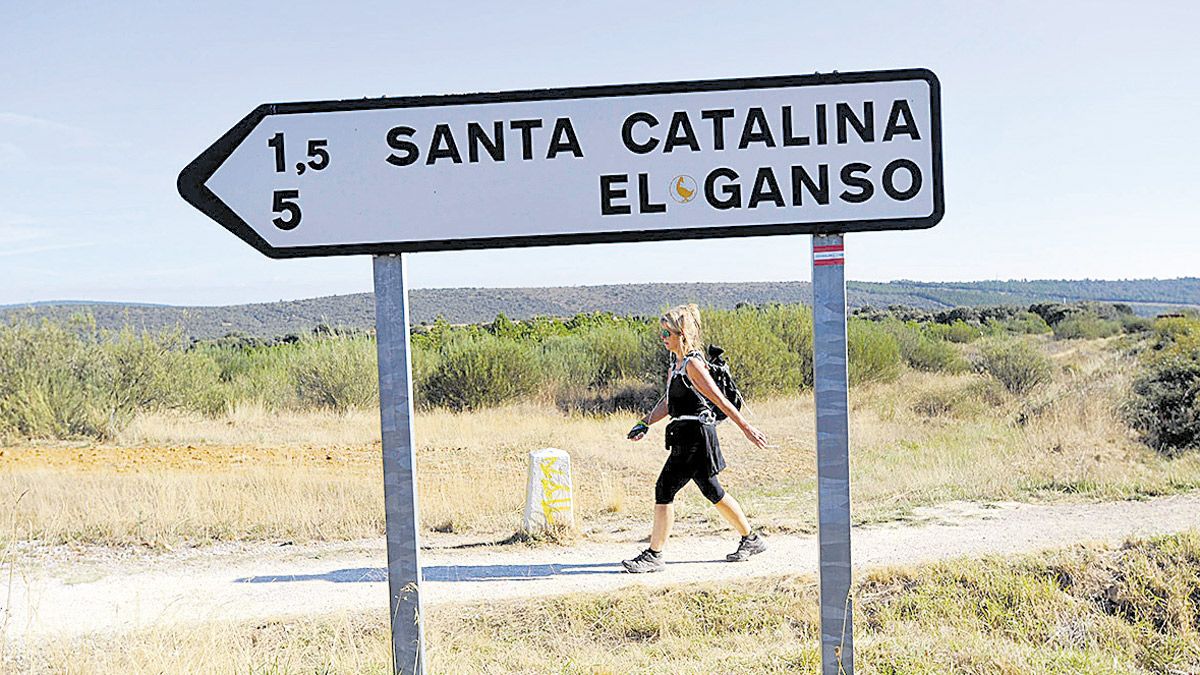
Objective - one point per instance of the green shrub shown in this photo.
(1085, 327)
(761, 361)
(1164, 406)
(1164, 401)
(1016, 364)
(934, 356)
(259, 373)
(1024, 323)
(794, 325)
(482, 370)
(57, 382)
(1137, 324)
(425, 362)
(922, 352)
(339, 373)
(874, 354)
(1177, 336)
(958, 331)
(566, 362)
(622, 352)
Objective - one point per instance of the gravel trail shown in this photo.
(73, 592)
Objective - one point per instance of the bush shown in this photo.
(794, 325)
(959, 331)
(1054, 312)
(1137, 324)
(1177, 336)
(253, 372)
(481, 370)
(1086, 327)
(621, 352)
(80, 383)
(1015, 364)
(874, 355)
(761, 361)
(934, 356)
(1024, 323)
(1164, 402)
(1164, 406)
(338, 373)
(922, 352)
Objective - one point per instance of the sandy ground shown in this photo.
(63, 591)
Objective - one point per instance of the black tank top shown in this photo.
(682, 397)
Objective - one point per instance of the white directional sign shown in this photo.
(797, 154)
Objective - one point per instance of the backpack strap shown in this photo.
(687, 381)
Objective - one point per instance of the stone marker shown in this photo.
(548, 497)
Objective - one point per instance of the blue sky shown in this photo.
(1070, 132)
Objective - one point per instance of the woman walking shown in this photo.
(691, 438)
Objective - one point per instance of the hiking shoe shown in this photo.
(646, 561)
(749, 546)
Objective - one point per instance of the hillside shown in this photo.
(470, 305)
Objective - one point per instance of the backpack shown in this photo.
(718, 367)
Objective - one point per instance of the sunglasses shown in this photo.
(667, 333)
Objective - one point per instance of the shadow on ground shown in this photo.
(455, 573)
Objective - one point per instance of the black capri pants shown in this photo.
(689, 461)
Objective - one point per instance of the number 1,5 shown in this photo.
(318, 155)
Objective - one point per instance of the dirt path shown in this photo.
(73, 593)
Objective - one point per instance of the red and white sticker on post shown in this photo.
(833, 254)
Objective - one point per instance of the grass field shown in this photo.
(256, 474)
(1132, 609)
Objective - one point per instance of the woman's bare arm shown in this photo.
(659, 412)
(702, 380)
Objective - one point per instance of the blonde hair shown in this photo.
(685, 320)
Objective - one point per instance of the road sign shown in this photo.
(817, 154)
(795, 154)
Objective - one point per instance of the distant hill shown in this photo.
(473, 305)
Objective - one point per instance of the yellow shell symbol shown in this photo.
(683, 189)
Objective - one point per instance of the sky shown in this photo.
(1070, 132)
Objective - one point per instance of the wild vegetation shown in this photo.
(279, 444)
(78, 381)
(249, 439)
(1164, 405)
(1096, 610)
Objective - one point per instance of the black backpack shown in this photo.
(719, 369)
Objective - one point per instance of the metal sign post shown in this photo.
(796, 154)
(399, 479)
(830, 383)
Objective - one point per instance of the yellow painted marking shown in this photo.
(556, 495)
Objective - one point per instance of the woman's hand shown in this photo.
(758, 438)
(638, 431)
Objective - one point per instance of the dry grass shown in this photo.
(248, 423)
(1131, 609)
(925, 439)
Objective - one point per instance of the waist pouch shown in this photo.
(697, 440)
(689, 436)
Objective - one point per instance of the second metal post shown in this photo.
(831, 384)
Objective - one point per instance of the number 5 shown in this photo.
(283, 205)
(316, 150)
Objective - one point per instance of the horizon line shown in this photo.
(68, 302)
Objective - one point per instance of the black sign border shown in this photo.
(192, 179)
